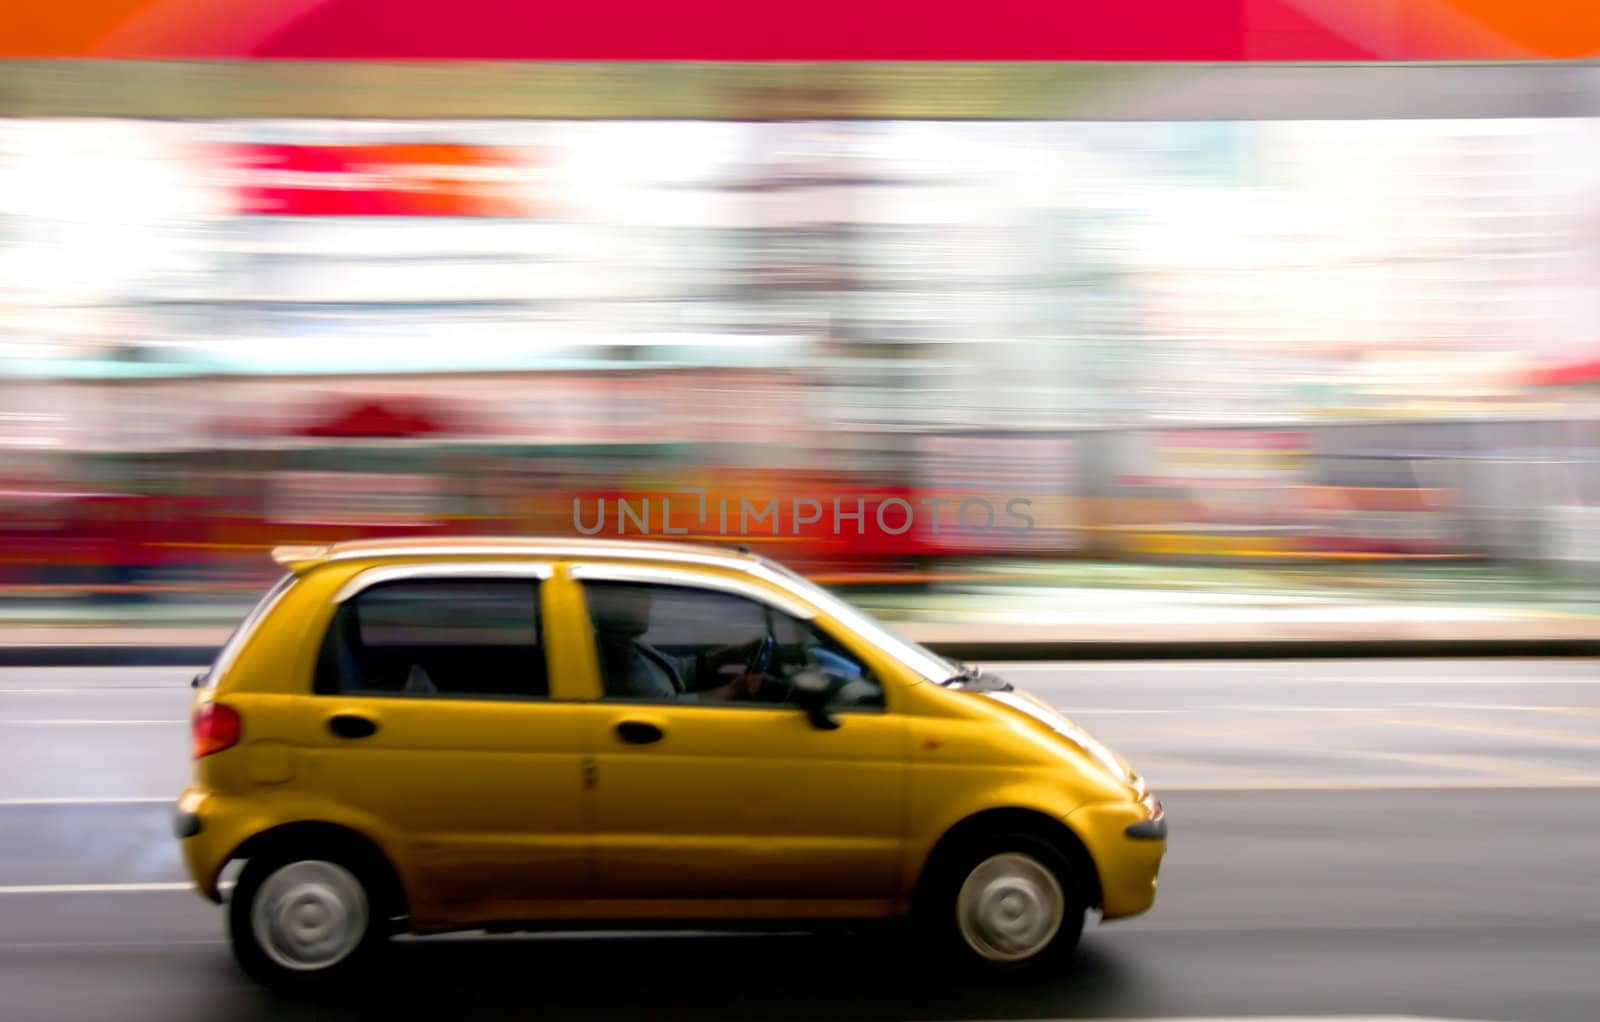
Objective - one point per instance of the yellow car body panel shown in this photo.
(505, 810)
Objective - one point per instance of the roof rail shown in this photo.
(298, 558)
(302, 557)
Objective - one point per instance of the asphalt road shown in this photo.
(1370, 838)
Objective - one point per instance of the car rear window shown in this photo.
(230, 649)
(471, 638)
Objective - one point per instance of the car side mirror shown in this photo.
(812, 693)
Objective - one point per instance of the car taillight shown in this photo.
(216, 727)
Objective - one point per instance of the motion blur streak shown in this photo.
(1238, 342)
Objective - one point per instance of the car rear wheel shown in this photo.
(299, 921)
(1008, 904)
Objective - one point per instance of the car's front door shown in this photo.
(434, 719)
(715, 802)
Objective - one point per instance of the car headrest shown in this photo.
(619, 609)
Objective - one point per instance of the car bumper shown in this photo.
(186, 823)
(1127, 841)
(201, 842)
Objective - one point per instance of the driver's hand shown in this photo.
(733, 664)
(749, 685)
(742, 687)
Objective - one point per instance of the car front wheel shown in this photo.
(1008, 904)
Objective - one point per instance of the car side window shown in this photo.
(437, 637)
(665, 643)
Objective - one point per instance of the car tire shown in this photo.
(1008, 905)
(306, 920)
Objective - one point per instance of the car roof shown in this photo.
(302, 558)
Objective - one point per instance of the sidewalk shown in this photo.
(1146, 610)
(1036, 610)
(1156, 603)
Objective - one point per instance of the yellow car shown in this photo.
(425, 736)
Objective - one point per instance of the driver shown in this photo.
(634, 669)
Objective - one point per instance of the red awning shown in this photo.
(377, 419)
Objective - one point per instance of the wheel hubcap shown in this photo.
(309, 915)
(1010, 907)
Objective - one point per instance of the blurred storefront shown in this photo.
(1165, 333)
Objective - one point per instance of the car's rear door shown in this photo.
(434, 719)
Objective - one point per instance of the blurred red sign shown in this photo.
(382, 180)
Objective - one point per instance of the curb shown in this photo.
(1270, 649)
(153, 655)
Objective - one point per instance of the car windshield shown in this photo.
(913, 655)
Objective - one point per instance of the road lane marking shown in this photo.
(22, 945)
(1158, 734)
(1091, 666)
(1291, 708)
(115, 722)
(1580, 783)
(1533, 734)
(96, 888)
(86, 800)
(1497, 766)
(1178, 676)
(1564, 711)
(1261, 1018)
(90, 690)
(1080, 712)
(1267, 1018)
(1496, 679)
(1558, 710)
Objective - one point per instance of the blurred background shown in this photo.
(1284, 316)
(1216, 349)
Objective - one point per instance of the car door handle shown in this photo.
(351, 725)
(637, 732)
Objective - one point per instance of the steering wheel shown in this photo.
(760, 665)
(761, 659)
